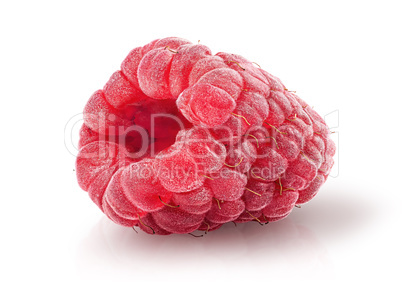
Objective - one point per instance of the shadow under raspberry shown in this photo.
(295, 243)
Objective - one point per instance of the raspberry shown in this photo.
(180, 140)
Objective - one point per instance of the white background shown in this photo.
(338, 55)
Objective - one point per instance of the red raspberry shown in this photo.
(181, 140)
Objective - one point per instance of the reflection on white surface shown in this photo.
(295, 244)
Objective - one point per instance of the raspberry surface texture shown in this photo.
(180, 140)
